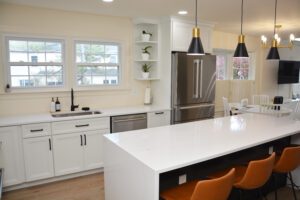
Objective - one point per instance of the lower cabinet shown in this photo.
(38, 158)
(11, 155)
(75, 152)
(159, 118)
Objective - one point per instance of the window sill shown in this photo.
(64, 89)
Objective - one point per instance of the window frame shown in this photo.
(8, 64)
(97, 86)
(230, 68)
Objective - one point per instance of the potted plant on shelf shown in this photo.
(146, 70)
(146, 53)
(146, 36)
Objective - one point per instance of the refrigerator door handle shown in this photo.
(196, 106)
(196, 79)
(201, 79)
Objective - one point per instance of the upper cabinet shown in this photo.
(181, 35)
(146, 49)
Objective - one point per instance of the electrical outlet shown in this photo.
(271, 150)
(182, 179)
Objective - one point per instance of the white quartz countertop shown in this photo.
(46, 117)
(172, 147)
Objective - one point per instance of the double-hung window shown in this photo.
(230, 68)
(97, 63)
(35, 63)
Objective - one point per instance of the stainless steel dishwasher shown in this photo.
(128, 122)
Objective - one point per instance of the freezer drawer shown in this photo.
(128, 122)
(192, 113)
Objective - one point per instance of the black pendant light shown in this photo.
(273, 53)
(241, 50)
(196, 47)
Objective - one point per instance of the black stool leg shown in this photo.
(241, 194)
(275, 184)
(293, 185)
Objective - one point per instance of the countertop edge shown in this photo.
(47, 118)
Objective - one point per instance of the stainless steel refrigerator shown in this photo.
(193, 87)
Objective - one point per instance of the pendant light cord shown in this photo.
(275, 17)
(196, 14)
(242, 16)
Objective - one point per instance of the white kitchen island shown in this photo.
(134, 160)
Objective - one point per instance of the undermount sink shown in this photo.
(72, 114)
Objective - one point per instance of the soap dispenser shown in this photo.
(57, 105)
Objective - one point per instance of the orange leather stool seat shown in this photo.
(288, 161)
(253, 176)
(213, 189)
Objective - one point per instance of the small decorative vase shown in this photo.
(145, 56)
(145, 37)
(146, 75)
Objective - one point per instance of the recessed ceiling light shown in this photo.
(182, 12)
(107, 1)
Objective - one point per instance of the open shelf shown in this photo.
(139, 44)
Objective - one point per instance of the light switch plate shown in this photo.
(182, 179)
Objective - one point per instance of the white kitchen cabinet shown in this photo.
(93, 149)
(38, 158)
(159, 118)
(181, 32)
(77, 144)
(11, 155)
(68, 153)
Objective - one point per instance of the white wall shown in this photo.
(31, 21)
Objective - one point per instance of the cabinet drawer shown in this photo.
(80, 125)
(159, 118)
(36, 130)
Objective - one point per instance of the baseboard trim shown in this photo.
(51, 180)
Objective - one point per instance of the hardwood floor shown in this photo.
(89, 187)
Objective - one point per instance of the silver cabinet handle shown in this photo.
(201, 78)
(36, 130)
(196, 79)
(128, 120)
(82, 125)
(50, 145)
(159, 113)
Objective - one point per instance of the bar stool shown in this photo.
(253, 176)
(213, 189)
(287, 162)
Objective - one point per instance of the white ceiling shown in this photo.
(258, 14)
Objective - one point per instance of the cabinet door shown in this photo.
(38, 158)
(11, 155)
(182, 36)
(159, 118)
(93, 149)
(68, 153)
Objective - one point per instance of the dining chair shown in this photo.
(212, 189)
(260, 99)
(227, 108)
